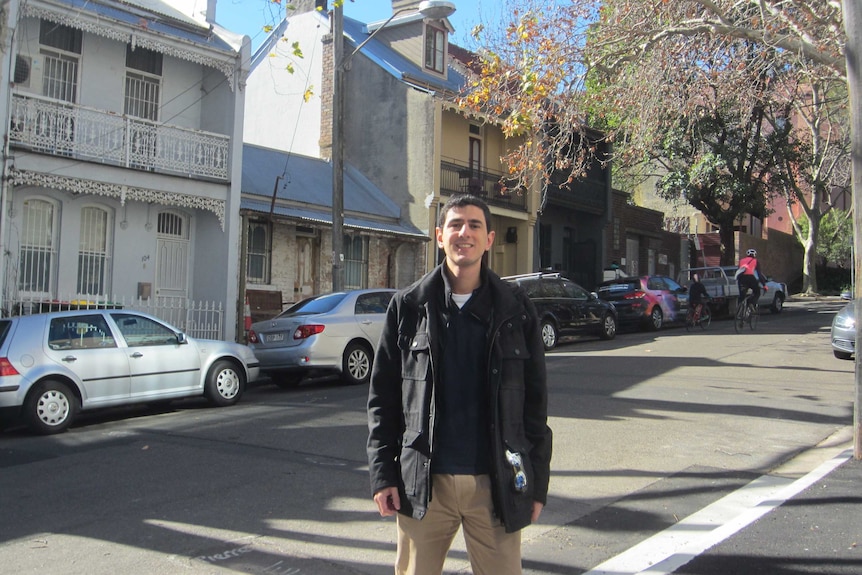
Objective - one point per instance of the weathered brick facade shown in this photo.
(658, 251)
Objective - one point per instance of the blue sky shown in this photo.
(250, 16)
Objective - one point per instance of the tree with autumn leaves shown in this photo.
(724, 103)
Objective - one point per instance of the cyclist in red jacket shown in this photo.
(749, 277)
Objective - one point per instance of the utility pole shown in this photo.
(853, 50)
(337, 147)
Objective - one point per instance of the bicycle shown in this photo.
(746, 313)
(695, 316)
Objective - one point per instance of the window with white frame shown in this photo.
(259, 252)
(94, 251)
(37, 253)
(355, 262)
(61, 51)
(143, 83)
(435, 49)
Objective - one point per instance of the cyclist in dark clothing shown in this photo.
(697, 294)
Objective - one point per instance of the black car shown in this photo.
(565, 308)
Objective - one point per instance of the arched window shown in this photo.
(94, 252)
(257, 269)
(355, 262)
(37, 254)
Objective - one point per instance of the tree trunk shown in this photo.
(809, 269)
(728, 249)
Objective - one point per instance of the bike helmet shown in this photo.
(752, 253)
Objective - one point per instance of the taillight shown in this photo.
(635, 295)
(252, 337)
(305, 331)
(6, 368)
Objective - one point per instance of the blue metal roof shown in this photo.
(390, 60)
(154, 16)
(305, 192)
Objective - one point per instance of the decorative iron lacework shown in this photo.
(110, 31)
(81, 186)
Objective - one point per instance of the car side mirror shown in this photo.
(181, 338)
(594, 295)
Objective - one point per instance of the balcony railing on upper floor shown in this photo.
(74, 131)
(455, 179)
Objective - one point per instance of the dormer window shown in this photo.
(435, 49)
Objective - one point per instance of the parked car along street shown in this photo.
(648, 301)
(565, 308)
(328, 333)
(844, 332)
(54, 365)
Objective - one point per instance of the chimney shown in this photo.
(211, 11)
(301, 6)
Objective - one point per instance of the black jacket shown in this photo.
(401, 397)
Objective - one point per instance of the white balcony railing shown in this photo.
(69, 130)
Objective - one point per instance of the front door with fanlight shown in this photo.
(172, 257)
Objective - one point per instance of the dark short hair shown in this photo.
(460, 201)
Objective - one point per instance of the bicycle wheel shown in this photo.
(753, 316)
(705, 317)
(739, 319)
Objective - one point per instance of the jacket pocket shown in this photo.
(414, 461)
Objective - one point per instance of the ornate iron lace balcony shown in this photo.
(456, 178)
(70, 130)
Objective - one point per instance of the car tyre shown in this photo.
(50, 408)
(549, 334)
(842, 354)
(609, 327)
(656, 318)
(225, 383)
(777, 304)
(356, 364)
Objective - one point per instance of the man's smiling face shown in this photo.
(464, 236)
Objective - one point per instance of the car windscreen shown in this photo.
(320, 304)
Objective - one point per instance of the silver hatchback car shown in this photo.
(843, 332)
(54, 365)
(330, 333)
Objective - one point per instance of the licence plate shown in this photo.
(274, 337)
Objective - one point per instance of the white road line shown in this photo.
(672, 548)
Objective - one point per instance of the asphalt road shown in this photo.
(650, 429)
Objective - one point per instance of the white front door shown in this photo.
(172, 256)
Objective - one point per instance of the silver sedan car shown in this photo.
(844, 332)
(54, 365)
(330, 333)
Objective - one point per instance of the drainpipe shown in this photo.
(8, 28)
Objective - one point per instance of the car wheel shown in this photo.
(609, 327)
(286, 380)
(549, 335)
(356, 364)
(50, 408)
(777, 304)
(656, 318)
(225, 383)
(842, 354)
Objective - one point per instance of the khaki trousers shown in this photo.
(457, 500)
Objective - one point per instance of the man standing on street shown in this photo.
(457, 408)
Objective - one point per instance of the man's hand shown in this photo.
(388, 501)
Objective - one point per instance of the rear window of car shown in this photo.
(4, 330)
(620, 287)
(320, 304)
